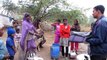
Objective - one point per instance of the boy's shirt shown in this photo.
(9, 44)
(64, 31)
(3, 49)
(17, 36)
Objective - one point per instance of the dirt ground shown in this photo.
(45, 52)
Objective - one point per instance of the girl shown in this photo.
(75, 27)
(57, 31)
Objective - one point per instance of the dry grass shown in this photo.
(85, 28)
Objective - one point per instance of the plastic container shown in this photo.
(55, 51)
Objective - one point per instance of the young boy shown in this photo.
(10, 43)
(17, 38)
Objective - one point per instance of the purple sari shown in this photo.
(26, 27)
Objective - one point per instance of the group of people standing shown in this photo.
(62, 33)
(97, 38)
(22, 39)
(9, 50)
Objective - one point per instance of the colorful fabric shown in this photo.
(9, 45)
(74, 46)
(57, 34)
(64, 42)
(31, 45)
(17, 36)
(57, 38)
(10, 41)
(64, 31)
(26, 27)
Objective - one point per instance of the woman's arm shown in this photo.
(54, 24)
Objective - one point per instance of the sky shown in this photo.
(88, 4)
(84, 4)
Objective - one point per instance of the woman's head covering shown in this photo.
(26, 15)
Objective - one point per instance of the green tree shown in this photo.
(9, 7)
(70, 15)
(47, 10)
(40, 8)
(91, 20)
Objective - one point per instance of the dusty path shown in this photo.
(44, 52)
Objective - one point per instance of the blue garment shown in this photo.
(3, 50)
(9, 44)
(9, 27)
(10, 41)
(10, 30)
(98, 40)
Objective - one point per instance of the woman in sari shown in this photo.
(27, 42)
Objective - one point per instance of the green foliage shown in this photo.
(9, 6)
(40, 8)
(47, 10)
(91, 20)
(70, 15)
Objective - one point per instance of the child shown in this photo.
(57, 31)
(3, 50)
(64, 34)
(40, 32)
(17, 38)
(41, 38)
(10, 43)
(75, 27)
